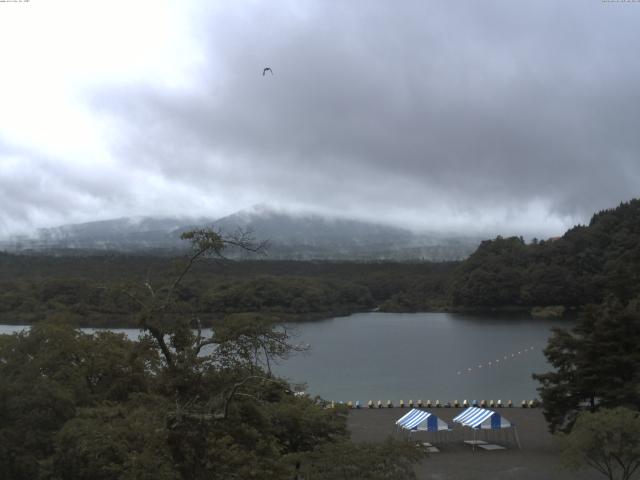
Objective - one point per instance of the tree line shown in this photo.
(582, 267)
(591, 397)
(89, 290)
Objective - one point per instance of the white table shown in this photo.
(491, 446)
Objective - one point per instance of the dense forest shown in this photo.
(582, 267)
(91, 290)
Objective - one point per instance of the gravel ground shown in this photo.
(538, 458)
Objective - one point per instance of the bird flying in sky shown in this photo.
(267, 69)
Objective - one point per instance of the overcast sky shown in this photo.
(469, 116)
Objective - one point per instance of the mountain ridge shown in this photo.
(297, 236)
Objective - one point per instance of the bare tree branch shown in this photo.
(134, 298)
(158, 335)
(235, 388)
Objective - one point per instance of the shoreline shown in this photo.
(118, 322)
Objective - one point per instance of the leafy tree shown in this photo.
(228, 416)
(549, 285)
(607, 441)
(364, 461)
(492, 276)
(300, 426)
(583, 266)
(597, 364)
(50, 372)
(126, 441)
(31, 413)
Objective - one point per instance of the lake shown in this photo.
(436, 356)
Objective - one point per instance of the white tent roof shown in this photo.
(475, 417)
(421, 420)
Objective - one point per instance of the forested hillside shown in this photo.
(90, 290)
(581, 267)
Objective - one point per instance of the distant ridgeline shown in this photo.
(583, 266)
(290, 237)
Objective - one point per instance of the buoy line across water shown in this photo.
(500, 360)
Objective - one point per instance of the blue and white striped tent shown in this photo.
(475, 417)
(421, 420)
(483, 419)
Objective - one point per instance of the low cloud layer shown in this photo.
(491, 117)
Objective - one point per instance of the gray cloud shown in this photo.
(39, 190)
(482, 116)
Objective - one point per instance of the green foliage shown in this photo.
(125, 441)
(551, 311)
(80, 406)
(31, 413)
(175, 404)
(288, 295)
(607, 441)
(365, 461)
(47, 374)
(583, 266)
(596, 364)
(492, 275)
(299, 425)
(205, 240)
(90, 291)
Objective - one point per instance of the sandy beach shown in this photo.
(538, 458)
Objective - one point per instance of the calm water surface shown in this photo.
(381, 356)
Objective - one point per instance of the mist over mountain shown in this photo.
(312, 236)
(122, 234)
(289, 236)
